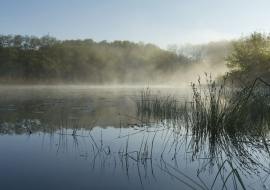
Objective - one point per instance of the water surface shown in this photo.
(92, 137)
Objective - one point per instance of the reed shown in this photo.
(215, 109)
(222, 118)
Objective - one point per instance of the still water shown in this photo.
(92, 138)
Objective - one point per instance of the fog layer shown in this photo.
(25, 59)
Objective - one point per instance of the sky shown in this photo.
(160, 22)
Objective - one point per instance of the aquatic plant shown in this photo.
(226, 120)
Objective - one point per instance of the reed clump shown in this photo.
(223, 117)
(231, 111)
(151, 104)
(215, 109)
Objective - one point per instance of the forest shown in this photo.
(29, 59)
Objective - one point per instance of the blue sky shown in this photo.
(160, 22)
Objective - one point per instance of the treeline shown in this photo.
(46, 59)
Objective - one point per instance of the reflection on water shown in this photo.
(77, 138)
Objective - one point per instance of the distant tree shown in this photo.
(250, 56)
(33, 42)
(193, 52)
(44, 58)
(9, 62)
(6, 41)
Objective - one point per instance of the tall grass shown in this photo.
(225, 119)
(215, 110)
(151, 104)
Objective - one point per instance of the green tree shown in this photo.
(8, 62)
(250, 56)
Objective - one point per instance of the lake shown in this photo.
(79, 137)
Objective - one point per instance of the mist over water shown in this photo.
(46, 60)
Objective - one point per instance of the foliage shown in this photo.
(28, 58)
(210, 54)
(250, 56)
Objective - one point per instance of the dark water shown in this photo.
(92, 138)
